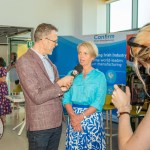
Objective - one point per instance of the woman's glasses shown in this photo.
(133, 44)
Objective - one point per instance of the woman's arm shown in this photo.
(127, 139)
(74, 118)
(138, 140)
(3, 79)
(10, 67)
(124, 131)
(69, 109)
(91, 110)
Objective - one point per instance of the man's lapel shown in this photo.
(39, 62)
(54, 69)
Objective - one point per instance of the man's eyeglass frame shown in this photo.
(56, 42)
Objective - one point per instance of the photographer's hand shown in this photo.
(120, 99)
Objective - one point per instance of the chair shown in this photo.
(17, 91)
(18, 99)
(16, 104)
(108, 107)
(136, 117)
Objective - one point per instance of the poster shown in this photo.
(111, 59)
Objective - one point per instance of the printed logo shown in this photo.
(111, 76)
(105, 37)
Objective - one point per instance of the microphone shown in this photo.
(77, 70)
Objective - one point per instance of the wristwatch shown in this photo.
(84, 116)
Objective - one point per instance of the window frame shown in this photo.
(134, 21)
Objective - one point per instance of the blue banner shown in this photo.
(112, 62)
(65, 54)
(111, 59)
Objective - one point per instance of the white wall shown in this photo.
(94, 17)
(101, 17)
(70, 16)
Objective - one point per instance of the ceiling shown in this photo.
(8, 31)
(12, 31)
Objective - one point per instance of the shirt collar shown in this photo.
(40, 55)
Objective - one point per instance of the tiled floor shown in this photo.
(11, 140)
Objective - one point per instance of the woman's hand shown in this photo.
(75, 119)
(120, 99)
(78, 127)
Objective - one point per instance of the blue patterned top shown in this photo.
(90, 90)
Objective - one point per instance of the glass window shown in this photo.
(120, 15)
(143, 12)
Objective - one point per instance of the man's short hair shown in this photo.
(43, 30)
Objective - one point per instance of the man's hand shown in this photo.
(64, 88)
(65, 82)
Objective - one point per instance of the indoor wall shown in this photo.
(72, 17)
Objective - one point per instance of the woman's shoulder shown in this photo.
(98, 72)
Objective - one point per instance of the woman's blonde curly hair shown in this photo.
(141, 53)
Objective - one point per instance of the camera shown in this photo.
(122, 87)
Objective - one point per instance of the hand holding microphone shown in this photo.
(77, 70)
(66, 82)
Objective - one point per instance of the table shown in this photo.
(17, 99)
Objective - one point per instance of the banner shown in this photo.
(111, 59)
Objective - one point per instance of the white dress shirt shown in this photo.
(47, 65)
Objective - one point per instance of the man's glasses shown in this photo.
(55, 41)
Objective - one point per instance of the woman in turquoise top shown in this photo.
(84, 102)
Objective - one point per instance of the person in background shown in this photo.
(5, 106)
(42, 90)
(140, 51)
(11, 69)
(84, 102)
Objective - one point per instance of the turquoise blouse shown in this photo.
(90, 90)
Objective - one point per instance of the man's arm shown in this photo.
(31, 85)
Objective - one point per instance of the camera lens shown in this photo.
(122, 87)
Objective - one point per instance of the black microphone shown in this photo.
(77, 70)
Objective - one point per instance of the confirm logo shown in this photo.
(105, 37)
